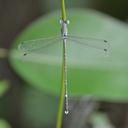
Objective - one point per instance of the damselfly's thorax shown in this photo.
(64, 29)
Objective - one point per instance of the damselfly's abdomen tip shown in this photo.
(66, 112)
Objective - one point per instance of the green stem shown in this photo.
(62, 95)
(64, 18)
(61, 104)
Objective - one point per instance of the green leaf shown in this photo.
(4, 86)
(90, 71)
(100, 120)
(38, 108)
(4, 124)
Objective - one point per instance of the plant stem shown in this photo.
(63, 10)
(61, 106)
(62, 96)
(64, 73)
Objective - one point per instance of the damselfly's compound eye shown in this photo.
(68, 22)
(61, 21)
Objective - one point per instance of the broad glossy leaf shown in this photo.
(90, 71)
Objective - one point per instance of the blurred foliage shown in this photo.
(4, 86)
(69, 4)
(4, 124)
(38, 109)
(91, 72)
(114, 8)
(118, 8)
(100, 120)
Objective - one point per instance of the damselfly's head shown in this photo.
(64, 28)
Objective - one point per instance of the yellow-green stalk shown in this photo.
(63, 10)
(62, 93)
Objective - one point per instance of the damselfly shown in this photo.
(31, 46)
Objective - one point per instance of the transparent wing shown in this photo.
(35, 45)
(91, 42)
